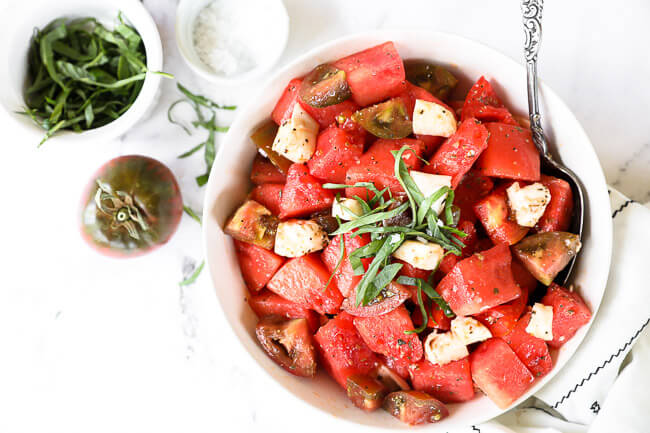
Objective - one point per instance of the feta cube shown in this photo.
(444, 348)
(430, 118)
(541, 322)
(295, 238)
(528, 203)
(429, 184)
(296, 137)
(347, 209)
(422, 255)
(469, 330)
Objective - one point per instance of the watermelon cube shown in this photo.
(327, 116)
(302, 280)
(268, 195)
(483, 104)
(303, 194)
(335, 153)
(502, 319)
(494, 213)
(264, 171)
(284, 107)
(532, 351)
(499, 373)
(471, 189)
(266, 303)
(256, 264)
(557, 216)
(449, 383)
(344, 277)
(570, 313)
(398, 365)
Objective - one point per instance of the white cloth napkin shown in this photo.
(593, 393)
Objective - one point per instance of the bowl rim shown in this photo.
(152, 42)
(386, 35)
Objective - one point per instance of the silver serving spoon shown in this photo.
(532, 17)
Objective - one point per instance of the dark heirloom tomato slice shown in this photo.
(253, 223)
(325, 85)
(545, 254)
(366, 392)
(388, 120)
(388, 299)
(131, 205)
(288, 343)
(415, 407)
(263, 138)
(433, 78)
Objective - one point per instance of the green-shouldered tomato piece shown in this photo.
(546, 254)
(263, 138)
(288, 343)
(325, 85)
(254, 224)
(132, 205)
(415, 407)
(433, 78)
(388, 120)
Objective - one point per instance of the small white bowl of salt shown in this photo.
(230, 42)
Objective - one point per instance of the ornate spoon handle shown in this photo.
(532, 17)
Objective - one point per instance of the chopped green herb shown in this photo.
(192, 278)
(188, 210)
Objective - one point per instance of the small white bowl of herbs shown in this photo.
(78, 70)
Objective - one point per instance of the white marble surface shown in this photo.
(93, 344)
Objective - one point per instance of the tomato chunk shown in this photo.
(390, 298)
(335, 153)
(342, 350)
(502, 319)
(499, 373)
(459, 152)
(499, 223)
(377, 165)
(483, 103)
(374, 74)
(327, 116)
(557, 216)
(344, 277)
(265, 172)
(449, 383)
(302, 280)
(269, 195)
(266, 303)
(570, 313)
(480, 282)
(532, 351)
(385, 334)
(284, 107)
(257, 264)
(510, 153)
(303, 194)
(471, 189)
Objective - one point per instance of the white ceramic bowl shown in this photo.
(17, 25)
(269, 41)
(229, 184)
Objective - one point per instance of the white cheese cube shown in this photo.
(528, 203)
(422, 255)
(429, 184)
(469, 330)
(444, 348)
(347, 209)
(430, 118)
(295, 238)
(296, 137)
(541, 322)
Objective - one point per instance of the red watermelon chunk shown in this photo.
(302, 280)
(483, 103)
(342, 351)
(524, 279)
(499, 223)
(264, 171)
(449, 383)
(532, 351)
(377, 165)
(557, 216)
(436, 317)
(397, 365)
(570, 313)
(510, 153)
(502, 319)
(480, 282)
(344, 277)
(471, 189)
(284, 107)
(374, 74)
(256, 264)
(335, 153)
(385, 334)
(303, 194)
(267, 303)
(327, 116)
(459, 152)
(499, 373)
(269, 195)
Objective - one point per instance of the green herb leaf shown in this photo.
(423, 311)
(189, 211)
(370, 219)
(338, 263)
(382, 279)
(192, 278)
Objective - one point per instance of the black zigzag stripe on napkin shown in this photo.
(474, 428)
(623, 206)
(600, 367)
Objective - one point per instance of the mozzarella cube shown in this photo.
(469, 330)
(347, 209)
(444, 348)
(421, 255)
(429, 184)
(541, 322)
(430, 118)
(296, 137)
(295, 238)
(528, 203)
